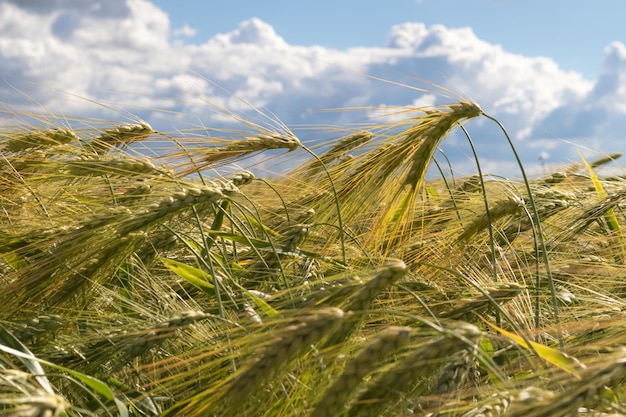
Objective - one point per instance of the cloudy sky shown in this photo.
(554, 76)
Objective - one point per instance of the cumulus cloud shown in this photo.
(125, 53)
(601, 111)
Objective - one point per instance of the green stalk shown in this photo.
(492, 244)
(537, 224)
(337, 205)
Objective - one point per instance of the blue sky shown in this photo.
(573, 33)
(554, 75)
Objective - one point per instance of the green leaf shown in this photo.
(218, 221)
(266, 308)
(487, 346)
(256, 223)
(245, 240)
(403, 206)
(611, 219)
(14, 347)
(96, 385)
(15, 261)
(200, 279)
(26, 357)
(432, 192)
(193, 275)
(136, 399)
(559, 359)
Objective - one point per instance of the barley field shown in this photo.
(173, 283)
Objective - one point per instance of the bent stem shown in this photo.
(337, 204)
(537, 224)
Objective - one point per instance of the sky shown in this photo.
(529, 27)
(555, 76)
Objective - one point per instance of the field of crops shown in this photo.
(138, 284)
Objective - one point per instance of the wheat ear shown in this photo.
(388, 178)
(436, 124)
(452, 377)
(501, 209)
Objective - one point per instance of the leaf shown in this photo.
(432, 192)
(594, 178)
(200, 279)
(266, 308)
(15, 261)
(609, 216)
(14, 347)
(146, 403)
(96, 385)
(487, 346)
(193, 275)
(559, 359)
(256, 223)
(249, 241)
(217, 222)
(27, 358)
(402, 207)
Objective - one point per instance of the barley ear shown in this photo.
(385, 389)
(39, 139)
(390, 272)
(284, 348)
(120, 135)
(338, 395)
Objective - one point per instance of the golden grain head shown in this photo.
(320, 292)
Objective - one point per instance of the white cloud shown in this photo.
(592, 123)
(125, 53)
(185, 30)
(101, 8)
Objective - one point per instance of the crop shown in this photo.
(138, 283)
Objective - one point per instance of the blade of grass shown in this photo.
(33, 363)
(27, 358)
(559, 359)
(194, 276)
(609, 216)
